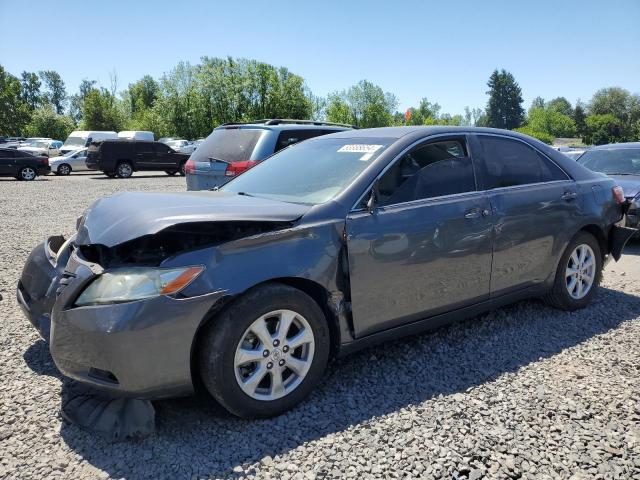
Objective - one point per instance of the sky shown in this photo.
(444, 50)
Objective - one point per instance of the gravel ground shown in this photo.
(523, 392)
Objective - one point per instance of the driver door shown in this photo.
(426, 247)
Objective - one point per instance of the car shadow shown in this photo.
(632, 247)
(196, 437)
(139, 177)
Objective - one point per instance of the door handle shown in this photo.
(477, 213)
(569, 196)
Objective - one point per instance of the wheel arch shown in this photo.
(599, 235)
(316, 291)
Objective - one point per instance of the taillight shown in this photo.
(618, 194)
(44, 160)
(236, 168)
(190, 166)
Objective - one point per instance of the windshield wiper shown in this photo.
(623, 173)
(245, 194)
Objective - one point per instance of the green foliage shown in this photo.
(55, 91)
(100, 111)
(14, 111)
(504, 109)
(542, 136)
(538, 102)
(551, 121)
(30, 84)
(579, 116)
(45, 122)
(365, 105)
(560, 105)
(622, 105)
(602, 129)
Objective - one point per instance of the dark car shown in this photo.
(620, 161)
(22, 165)
(233, 148)
(331, 245)
(120, 157)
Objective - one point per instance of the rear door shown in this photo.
(427, 248)
(535, 209)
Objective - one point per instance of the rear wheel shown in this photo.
(124, 170)
(265, 353)
(578, 274)
(27, 174)
(64, 169)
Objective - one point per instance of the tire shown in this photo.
(182, 169)
(567, 295)
(63, 169)
(220, 341)
(27, 174)
(124, 170)
(170, 172)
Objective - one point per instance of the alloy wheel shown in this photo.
(28, 173)
(64, 169)
(580, 272)
(124, 170)
(274, 355)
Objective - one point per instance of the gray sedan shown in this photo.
(331, 245)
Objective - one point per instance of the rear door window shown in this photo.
(434, 169)
(509, 163)
(229, 144)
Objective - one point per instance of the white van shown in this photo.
(83, 138)
(136, 135)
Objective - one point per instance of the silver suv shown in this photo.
(233, 148)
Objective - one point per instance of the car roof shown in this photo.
(279, 124)
(617, 146)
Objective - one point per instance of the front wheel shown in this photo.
(124, 170)
(64, 169)
(266, 352)
(27, 174)
(578, 275)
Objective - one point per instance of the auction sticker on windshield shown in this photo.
(367, 149)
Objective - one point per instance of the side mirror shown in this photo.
(373, 198)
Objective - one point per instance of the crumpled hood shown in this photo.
(124, 216)
(629, 183)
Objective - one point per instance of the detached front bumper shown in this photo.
(140, 349)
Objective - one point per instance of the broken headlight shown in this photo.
(131, 284)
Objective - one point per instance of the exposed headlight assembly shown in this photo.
(131, 284)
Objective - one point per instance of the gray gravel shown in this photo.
(524, 392)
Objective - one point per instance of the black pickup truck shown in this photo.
(120, 158)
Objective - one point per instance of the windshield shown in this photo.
(75, 142)
(310, 172)
(229, 144)
(621, 161)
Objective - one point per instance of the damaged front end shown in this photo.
(40, 279)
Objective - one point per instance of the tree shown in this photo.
(100, 111)
(14, 112)
(538, 102)
(579, 117)
(561, 105)
(603, 128)
(77, 100)
(365, 105)
(45, 122)
(55, 92)
(504, 108)
(551, 121)
(542, 136)
(31, 89)
(472, 116)
(143, 93)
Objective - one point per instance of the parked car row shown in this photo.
(22, 165)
